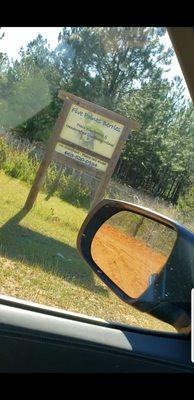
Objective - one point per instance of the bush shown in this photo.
(18, 165)
(71, 190)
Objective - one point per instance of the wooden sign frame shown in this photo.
(50, 154)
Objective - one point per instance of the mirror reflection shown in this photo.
(131, 249)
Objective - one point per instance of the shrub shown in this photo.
(18, 165)
(71, 190)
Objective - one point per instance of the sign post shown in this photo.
(40, 176)
(87, 137)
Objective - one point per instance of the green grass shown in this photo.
(31, 269)
(21, 165)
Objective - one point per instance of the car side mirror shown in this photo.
(145, 258)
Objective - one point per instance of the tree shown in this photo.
(120, 68)
(157, 157)
(105, 64)
(99, 64)
(33, 90)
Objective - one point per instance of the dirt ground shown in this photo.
(126, 260)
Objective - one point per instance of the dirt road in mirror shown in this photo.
(126, 260)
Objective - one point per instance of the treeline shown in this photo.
(121, 69)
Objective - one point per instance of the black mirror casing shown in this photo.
(169, 295)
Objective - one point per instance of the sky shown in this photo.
(15, 38)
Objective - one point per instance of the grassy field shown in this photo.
(39, 261)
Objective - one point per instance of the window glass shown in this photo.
(130, 70)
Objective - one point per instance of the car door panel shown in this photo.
(34, 341)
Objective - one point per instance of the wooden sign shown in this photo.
(86, 159)
(87, 137)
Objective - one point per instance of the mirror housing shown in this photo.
(168, 297)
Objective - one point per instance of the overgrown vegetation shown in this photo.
(22, 165)
(123, 70)
(19, 164)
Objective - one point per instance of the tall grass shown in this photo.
(20, 165)
(21, 160)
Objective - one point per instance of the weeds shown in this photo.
(19, 164)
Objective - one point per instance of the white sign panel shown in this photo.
(83, 158)
(91, 131)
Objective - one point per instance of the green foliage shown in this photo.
(20, 165)
(105, 64)
(37, 128)
(3, 151)
(25, 99)
(159, 154)
(120, 68)
(186, 204)
(71, 190)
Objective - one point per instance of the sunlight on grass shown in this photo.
(39, 261)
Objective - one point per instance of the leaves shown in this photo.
(120, 68)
